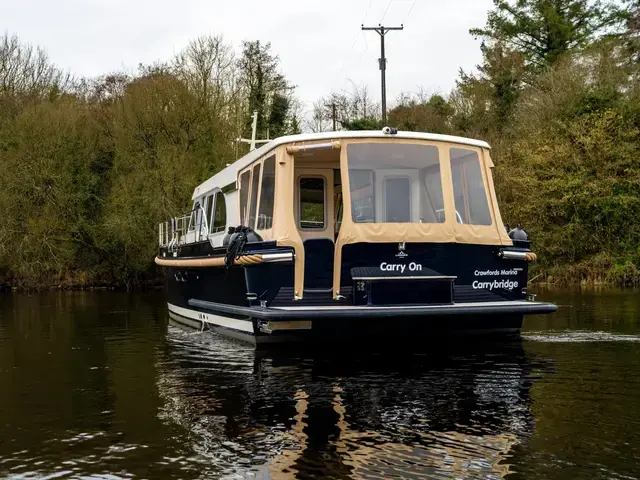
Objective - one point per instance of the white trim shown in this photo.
(409, 307)
(423, 277)
(212, 319)
(230, 174)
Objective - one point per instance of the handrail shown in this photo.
(177, 230)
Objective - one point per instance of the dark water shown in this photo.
(99, 385)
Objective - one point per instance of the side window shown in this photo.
(468, 188)
(245, 178)
(312, 203)
(255, 181)
(209, 204)
(219, 220)
(265, 216)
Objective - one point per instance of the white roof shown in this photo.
(230, 174)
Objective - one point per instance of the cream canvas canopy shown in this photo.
(292, 150)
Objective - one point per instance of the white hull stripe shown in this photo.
(213, 319)
(419, 308)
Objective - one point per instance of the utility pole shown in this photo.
(382, 31)
(333, 114)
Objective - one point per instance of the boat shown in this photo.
(349, 235)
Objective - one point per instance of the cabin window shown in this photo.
(470, 195)
(245, 178)
(219, 220)
(265, 216)
(209, 203)
(311, 212)
(362, 195)
(255, 181)
(395, 183)
(397, 200)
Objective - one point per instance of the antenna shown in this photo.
(253, 141)
(382, 31)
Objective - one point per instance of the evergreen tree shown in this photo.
(260, 77)
(495, 88)
(278, 115)
(543, 30)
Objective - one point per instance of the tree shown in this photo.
(543, 30)
(54, 175)
(319, 121)
(277, 123)
(206, 66)
(27, 75)
(432, 114)
(353, 110)
(632, 33)
(363, 123)
(259, 76)
(494, 90)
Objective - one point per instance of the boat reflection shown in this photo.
(452, 410)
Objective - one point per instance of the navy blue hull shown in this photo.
(487, 292)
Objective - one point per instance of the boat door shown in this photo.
(314, 215)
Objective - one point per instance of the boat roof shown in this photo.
(229, 174)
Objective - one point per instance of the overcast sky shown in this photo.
(319, 42)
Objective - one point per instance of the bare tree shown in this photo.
(206, 65)
(318, 120)
(25, 70)
(345, 106)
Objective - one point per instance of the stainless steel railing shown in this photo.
(183, 229)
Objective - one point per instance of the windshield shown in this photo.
(395, 183)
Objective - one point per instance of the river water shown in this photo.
(101, 385)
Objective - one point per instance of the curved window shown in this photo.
(255, 181)
(245, 179)
(219, 220)
(209, 203)
(470, 195)
(267, 193)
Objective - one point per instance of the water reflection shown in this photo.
(94, 385)
(454, 410)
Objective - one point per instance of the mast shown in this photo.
(252, 142)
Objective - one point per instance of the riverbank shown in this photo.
(601, 269)
(78, 281)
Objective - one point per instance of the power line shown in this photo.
(366, 47)
(353, 44)
(385, 12)
(367, 12)
(410, 10)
